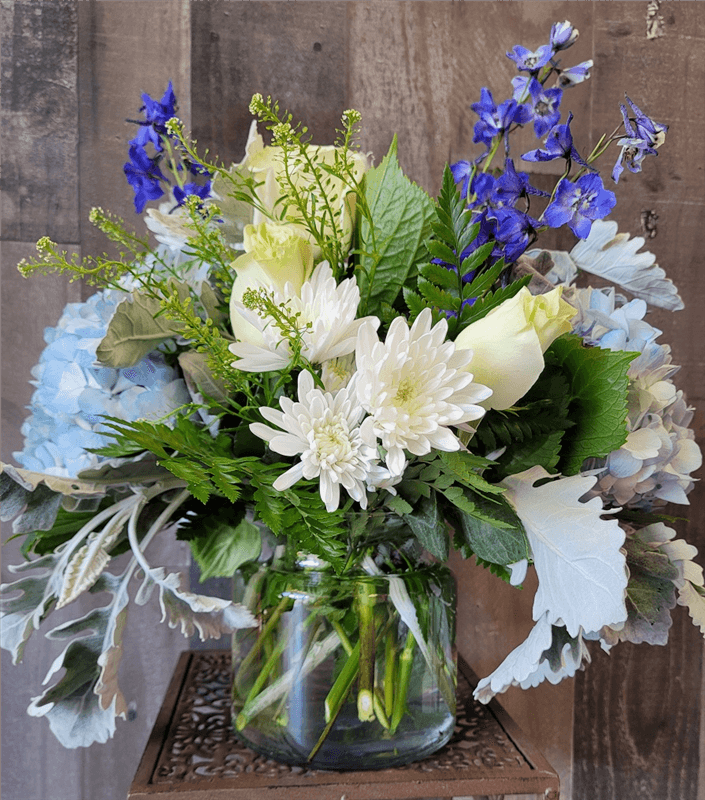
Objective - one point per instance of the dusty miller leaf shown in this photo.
(134, 331)
(615, 256)
(211, 616)
(82, 705)
(581, 569)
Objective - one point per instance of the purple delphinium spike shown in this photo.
(652, 132)
(643, 137)
(144, 175)
(513, 231)
(579, 204)
(558, 144)
(563, 36)
(528, 60)
(462, 170)
(512, 185)
(157, 113)
(574, 75)
(202, 191)
(496, 120)
(544, 104)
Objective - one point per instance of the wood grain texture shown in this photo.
(125, 49)
(118, 50)
(25, 740)
(38, 115)
(638, 711)
(293, 52)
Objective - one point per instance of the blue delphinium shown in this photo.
(145, 177)
(157, 114)
(642, 139)
(558, 144)
(544, 106)
(572, 76)
(73, 391)
(563, 36)
(579, 204)
(528, 60)
(512, 186)
(495, 120)
(143, 171)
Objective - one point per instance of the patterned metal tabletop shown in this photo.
(194, 753)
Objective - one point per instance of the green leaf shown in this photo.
(598, 385)
(494, 533)
(440, 275)
(437, 297)
(463, 466)
(477, 258)
(429, 528)
(197, 373)
(399, 505)
(392, 244)
(227, 545)
(134, 331)
(313, 529)
(485, 304)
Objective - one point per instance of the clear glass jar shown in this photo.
(347, 672)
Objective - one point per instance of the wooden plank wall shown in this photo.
(630, 726)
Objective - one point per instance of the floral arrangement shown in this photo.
(313, 341)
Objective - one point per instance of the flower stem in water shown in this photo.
(402, 688)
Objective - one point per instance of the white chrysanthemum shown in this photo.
(323, 428)
(415, 385)
(325, 313)
(336, 372)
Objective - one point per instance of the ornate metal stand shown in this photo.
(192, 753)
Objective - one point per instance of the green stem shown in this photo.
(257, 646)
(341, 687)
(246, 714)
(402, 688)
(366, 621)
(390, 662)
(380, 713)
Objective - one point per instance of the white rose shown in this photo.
(274, 256)
(508, 344)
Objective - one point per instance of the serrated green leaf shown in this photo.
(440, 275)
(392, 244)
(228, 544)
(459, 499)
(399, 505)
(429, 528)
(598, 384)
(134, 331)
(476, 258)
(485, 304)
(440, 250)
(494, 533)
(463, 466)
(437, 297)
(483, 282)
(414, 302)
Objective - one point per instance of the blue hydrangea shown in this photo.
(73, 391)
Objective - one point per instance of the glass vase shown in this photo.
(347, 672)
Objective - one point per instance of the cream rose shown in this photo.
(266, 166)
(274, 256)
(508, 344)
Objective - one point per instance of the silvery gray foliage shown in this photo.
(616, 257)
